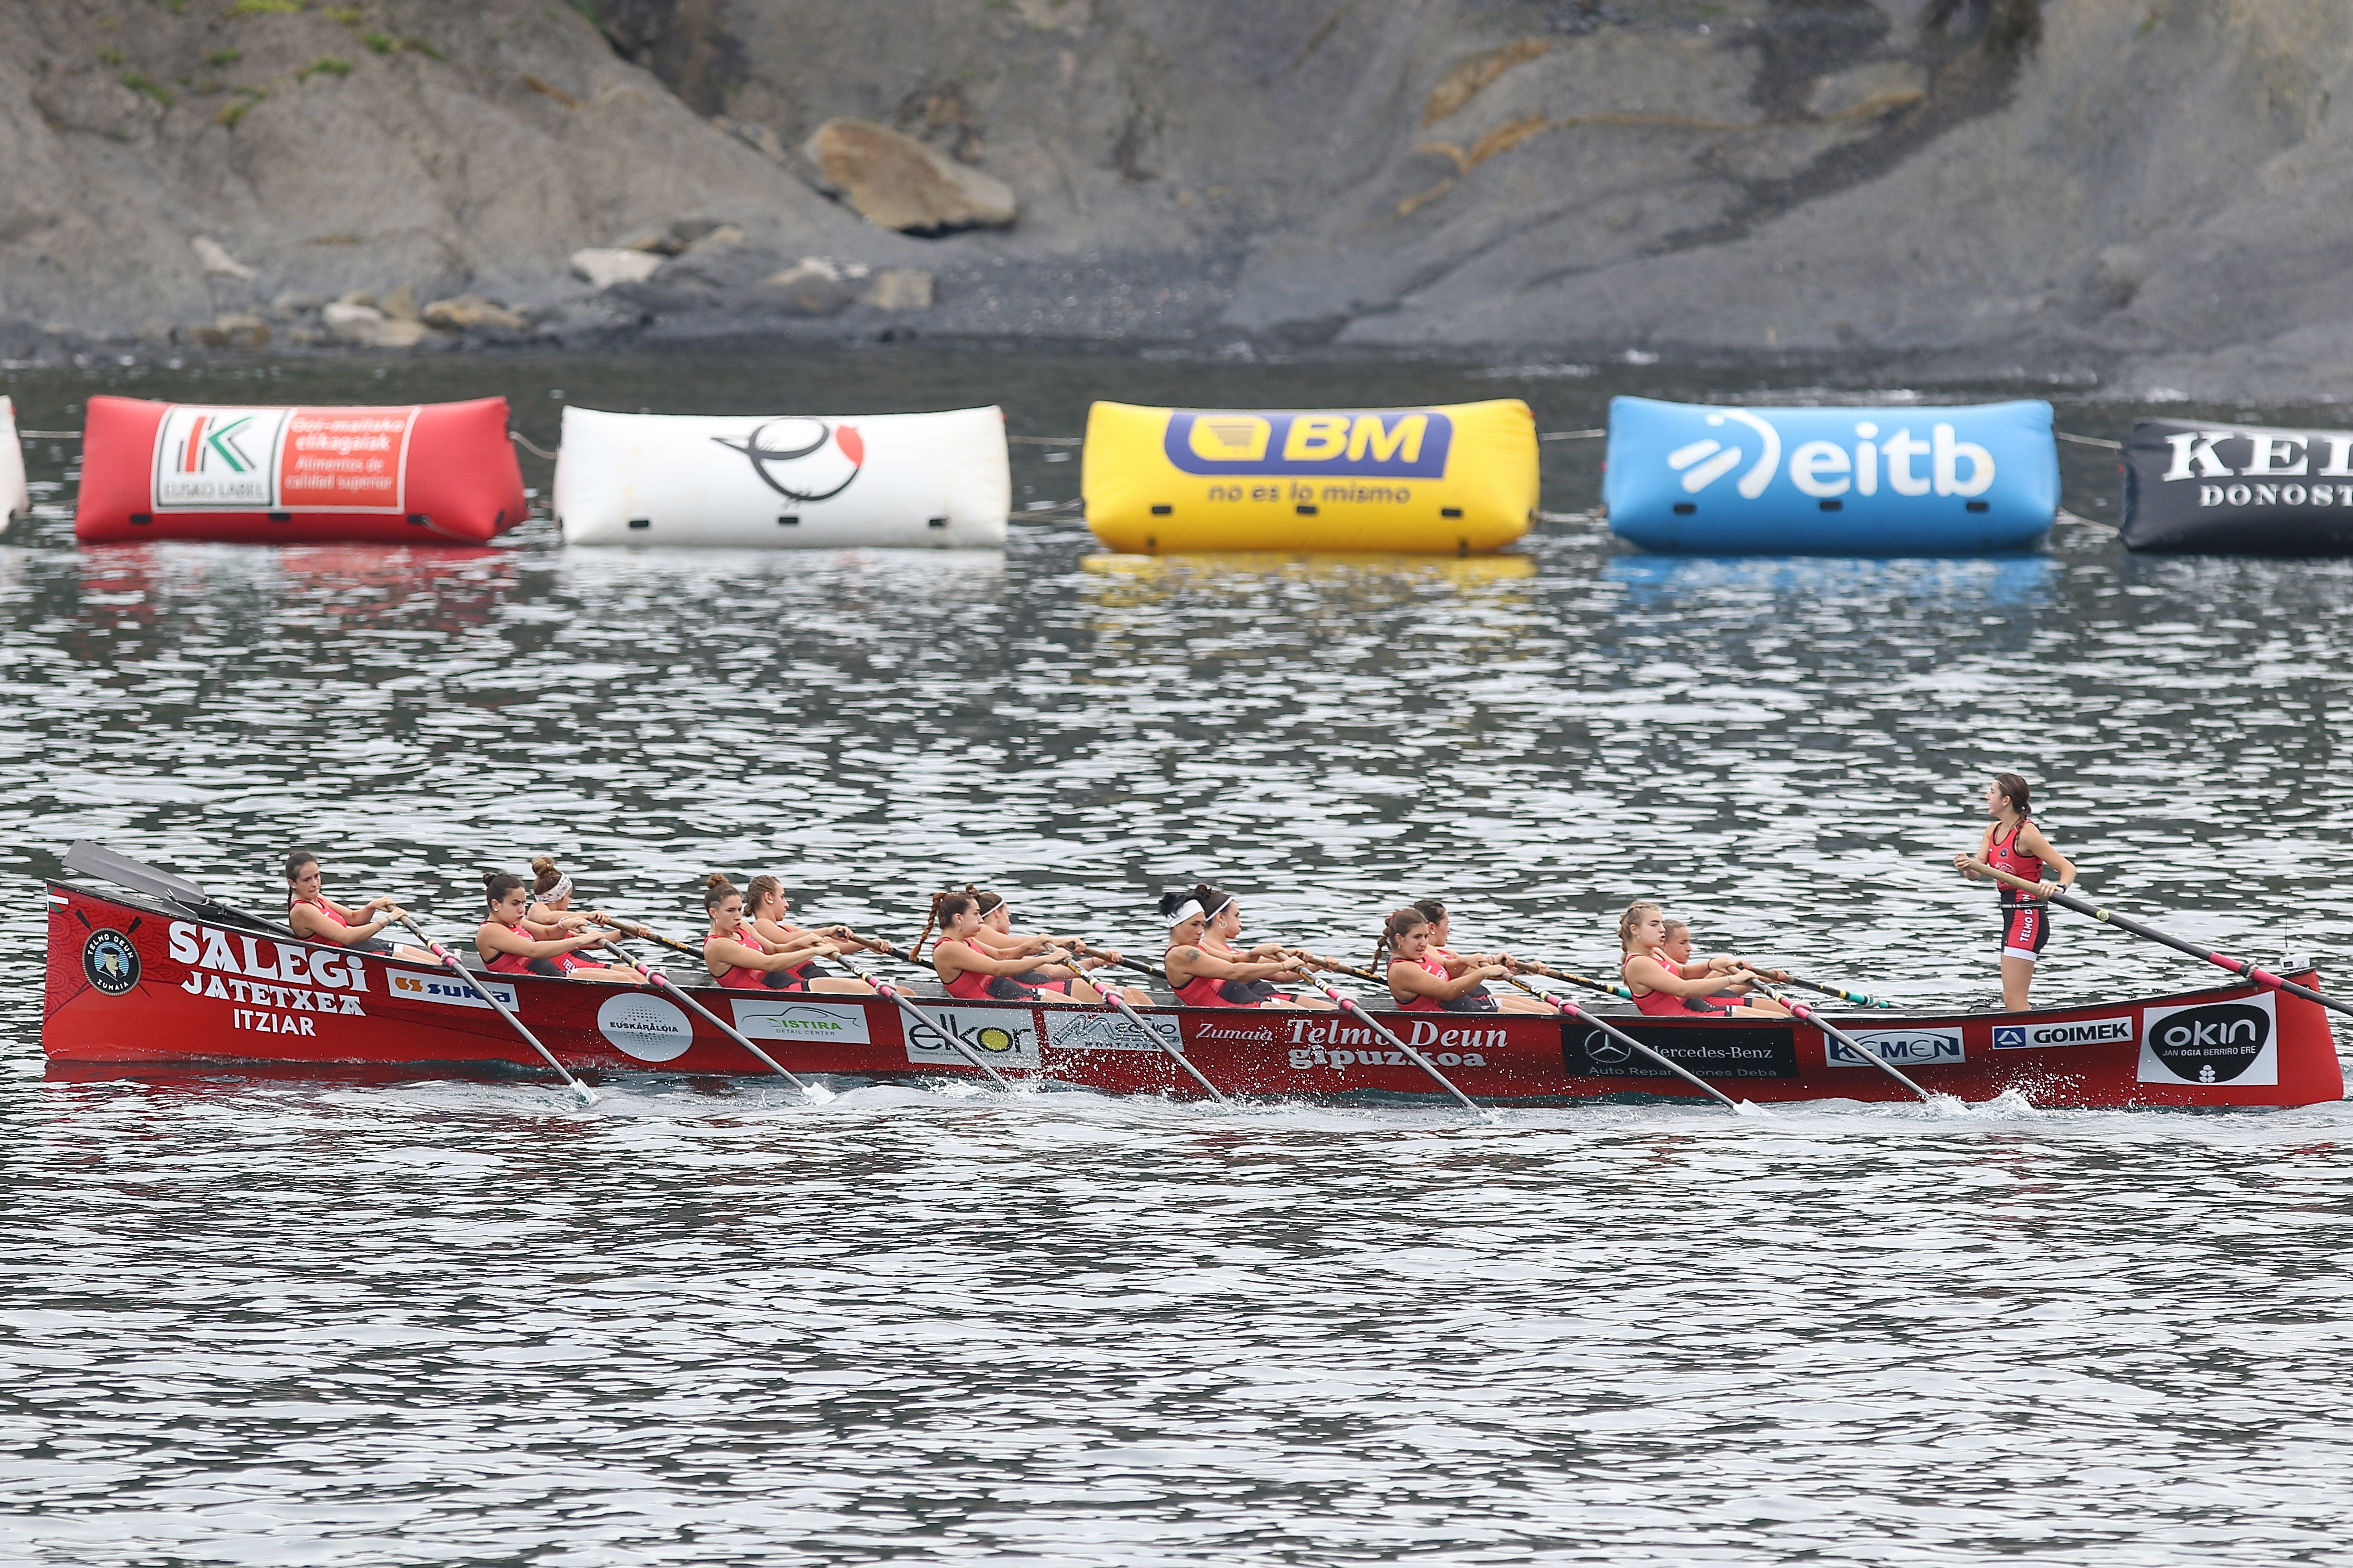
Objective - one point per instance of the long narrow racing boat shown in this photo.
(134, 981)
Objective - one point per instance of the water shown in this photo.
(253, 1320)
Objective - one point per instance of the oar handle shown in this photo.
(1550, 973)
(2021, 883)
(646, 933)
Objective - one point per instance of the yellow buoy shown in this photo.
(1452, 479)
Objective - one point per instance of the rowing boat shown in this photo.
(134, 982)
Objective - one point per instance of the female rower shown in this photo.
(510, 947)
(1434, 911)
(997, 937)
(971, 971)
(315, 917)
(2012, 843)
(1420, 981)
(764, 909)
(1208, 971)
(737, 955)
(1665, 990)
(550, 911)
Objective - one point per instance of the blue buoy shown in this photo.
(1916, 480)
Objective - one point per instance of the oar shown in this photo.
(1515, 980)
(661, 982)
(2240, 967)
(1157, 1038)
(448, 961)
(1806, 1015)
(1087, 950)
(1348, 1005)
(1550, 973)
(1738, 1106)
(893, 993)
(1857, 997)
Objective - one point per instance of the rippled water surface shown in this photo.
(250, 1320)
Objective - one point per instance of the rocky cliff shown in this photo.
(2147, 191)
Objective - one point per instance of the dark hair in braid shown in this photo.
(945, 906)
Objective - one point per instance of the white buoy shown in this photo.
(918, 481)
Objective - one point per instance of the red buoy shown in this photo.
(430, 473)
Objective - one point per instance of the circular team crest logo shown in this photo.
(646, 1027)
(109, 961)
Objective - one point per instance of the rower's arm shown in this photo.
(1406, 975)
(1652, 975)
(976, 958)
(306, 925)
(2040, 847)
(1200, 961)
(504, 940)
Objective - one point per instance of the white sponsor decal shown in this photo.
(219, 460)
(2217, 1043)
(2079, 1032)
(1002, 1037)
(1904, 1047)
(646, 1027)
(842, 1023)
(1067, 1029)
(448, 989)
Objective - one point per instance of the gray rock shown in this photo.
(897, 182)
(801, 290)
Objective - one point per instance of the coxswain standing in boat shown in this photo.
(998, 936)
(314, 917)
(510, 947)
(1421, 982)
(2012, 843)
(1665, 990)
(973, 974)
(1440, 927)
(1208, 971)
(739, 957)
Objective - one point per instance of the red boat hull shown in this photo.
(131, 983)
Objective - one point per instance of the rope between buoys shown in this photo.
(525, 442)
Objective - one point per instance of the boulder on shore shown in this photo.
(897, 183)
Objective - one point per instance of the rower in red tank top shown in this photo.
(738, 958)
(997, 938)
(314, 917)
(971, 971)
(1440, 927)
(1208, 971)
(1665, 990)
(2012, 843)
(1420, 982)
(510, 947)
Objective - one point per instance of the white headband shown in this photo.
(563, 886)
(1184, 912)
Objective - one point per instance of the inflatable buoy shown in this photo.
(432, 473)
(16, 500)
(2239, 489)
(1450, 480)
(1832, 481)
(935, 481)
